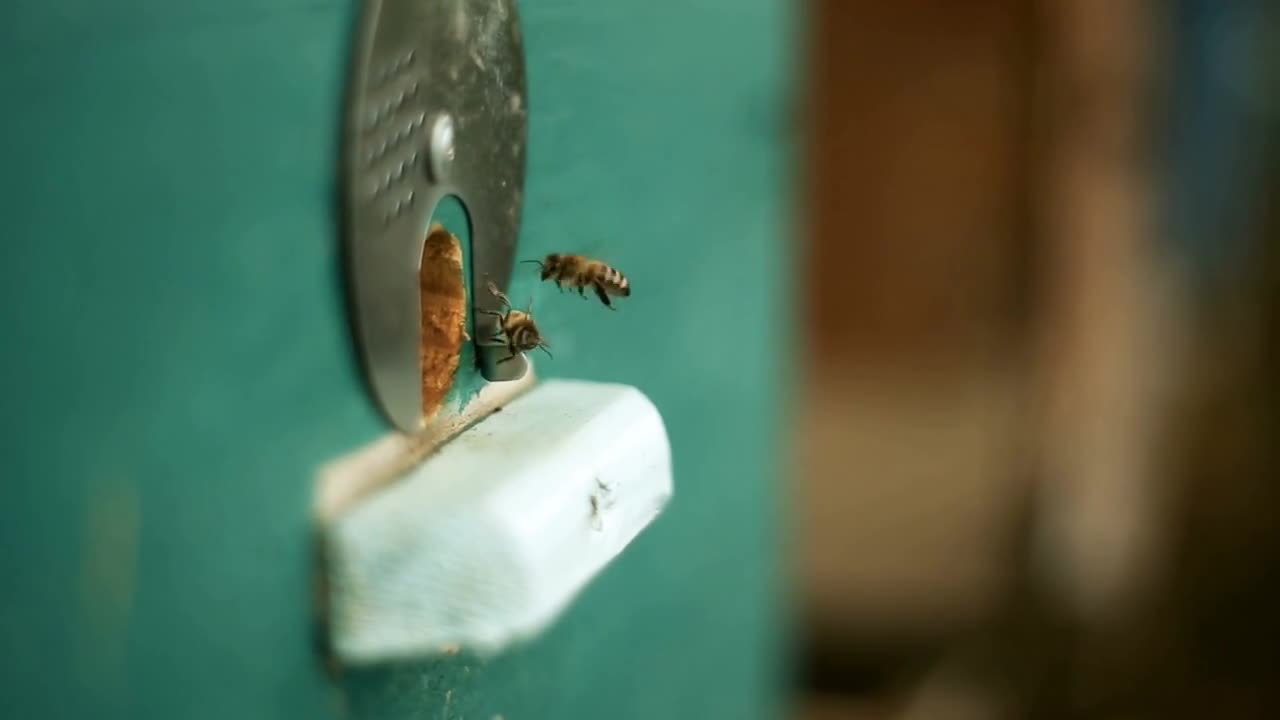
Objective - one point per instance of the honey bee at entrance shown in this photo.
(518, 330)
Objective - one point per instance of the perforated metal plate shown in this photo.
(436, 108)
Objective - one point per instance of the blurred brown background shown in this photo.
(920, 117)
(1017, 488)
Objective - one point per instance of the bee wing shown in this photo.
(493, 289)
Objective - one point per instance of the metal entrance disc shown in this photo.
(437, 107)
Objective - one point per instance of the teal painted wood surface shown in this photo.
(177, 362)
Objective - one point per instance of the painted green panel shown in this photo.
(176, 359)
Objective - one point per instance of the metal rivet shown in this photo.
(442, 147)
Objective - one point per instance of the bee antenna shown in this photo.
(534, 262)
(543, 347)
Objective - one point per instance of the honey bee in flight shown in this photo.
(581, 272)
(518, 331)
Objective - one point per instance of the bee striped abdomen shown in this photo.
(520, 331)
(619, 281)
(612, 281)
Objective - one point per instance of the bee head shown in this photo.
(546, 266)
(550, 264)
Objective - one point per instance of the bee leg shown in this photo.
(502, 320)
(501, 296)
(604, 296)
(512, 356)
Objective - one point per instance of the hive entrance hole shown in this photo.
(442, 280)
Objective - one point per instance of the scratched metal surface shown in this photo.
(177, 361)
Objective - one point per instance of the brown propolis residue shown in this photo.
(443, 300)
